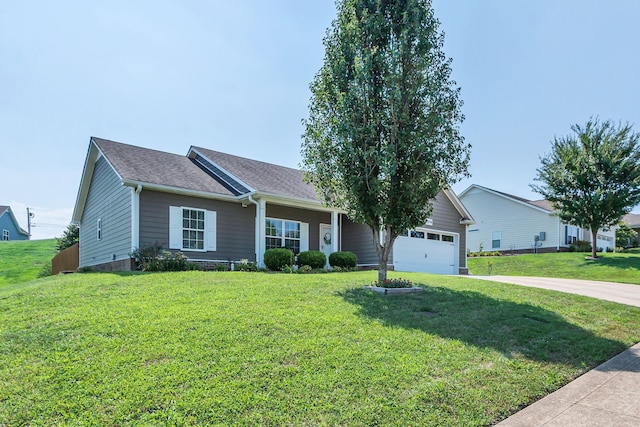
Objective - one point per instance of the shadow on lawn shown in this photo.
(615, 262)
(514, 329)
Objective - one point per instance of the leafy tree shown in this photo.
(382, 136)
(70, 237)
(625, 235)
(592, 177)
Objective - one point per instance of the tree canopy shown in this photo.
(382, 136)
(592, 177)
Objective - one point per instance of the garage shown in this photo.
(426, 251)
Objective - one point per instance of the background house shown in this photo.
(219, 208)
(634, 222)
(9, 226)
(504, 222)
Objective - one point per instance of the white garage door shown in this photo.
(425, 251)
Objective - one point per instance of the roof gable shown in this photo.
(540, 205)
(265, 178)
(6, 210)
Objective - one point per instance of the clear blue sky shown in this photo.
(234, 77)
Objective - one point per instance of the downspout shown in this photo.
(558, 248)
(135, 218)
(257, 225)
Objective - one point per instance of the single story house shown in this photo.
(504, 222)
(9, 226)
(220, 208)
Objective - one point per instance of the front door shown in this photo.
(326, 240)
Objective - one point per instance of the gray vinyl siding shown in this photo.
(358, 238)
(447, 218)
(235, 225)
(109, 201)
(313, 218)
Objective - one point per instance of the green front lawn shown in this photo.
(23, 260)
(611, 267)
(200, 348)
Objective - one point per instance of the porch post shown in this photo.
(261, 217)
(334, 231)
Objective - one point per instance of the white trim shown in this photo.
(238, 180)
(505, 196)
(261, 216)
(334, 231)
(6, 236)
(135, 217)
(99, 229)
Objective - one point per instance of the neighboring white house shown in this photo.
(504, 222)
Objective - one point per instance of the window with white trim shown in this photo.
(99, 229)
(447, 238)
(192, 229)
(5, 234)
(496, 237)
(281, 233)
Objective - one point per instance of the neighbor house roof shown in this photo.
(632, 219)
(544, 205)
(7, 210)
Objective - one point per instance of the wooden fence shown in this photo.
(66, 260)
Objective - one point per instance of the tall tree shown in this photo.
(592, 177)
(382, 136)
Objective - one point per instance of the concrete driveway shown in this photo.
(616, 292)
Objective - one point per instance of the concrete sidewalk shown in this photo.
(608, 395)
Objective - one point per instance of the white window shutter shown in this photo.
(304, 236)
(175, 227)
(210, 230)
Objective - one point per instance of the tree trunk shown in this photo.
(594, 241)
(382, 250)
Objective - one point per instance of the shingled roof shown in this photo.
(265, 178)
(146, 166)
(632, 219)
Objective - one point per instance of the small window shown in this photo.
(496, 238)
(446, 238)
(5, 234)
(433, 236)
(417, 234)
(99, 229)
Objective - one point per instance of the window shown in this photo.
(192, 229)
(99, 229)
(433, 236)
(496, 237)
(5, 234)
(446, 238)
(281, 233)
(417, 234)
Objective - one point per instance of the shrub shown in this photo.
(305, 269)
(343, 259)
(154, 258)
(314, 259)
(580, 246)
(220, 267)
(394, 283)
(278, 258)
(245, 265)
(70, 237)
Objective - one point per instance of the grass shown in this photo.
(621, 267)
(23, 260)
(214, 348)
